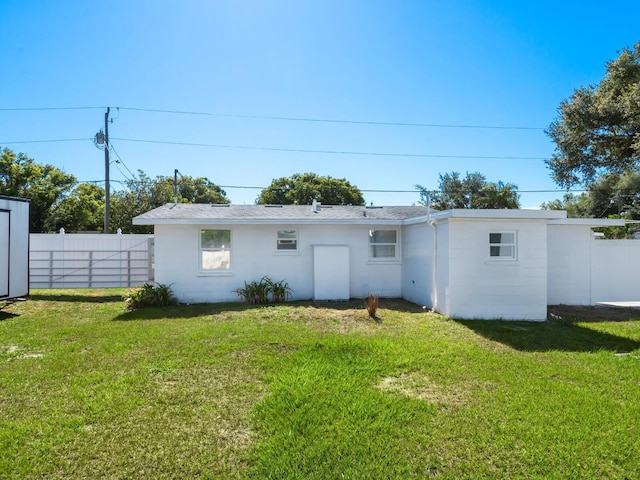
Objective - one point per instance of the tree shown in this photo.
(145, 193)
(303, 189)
(81, 210)
(43, 185)
(499, 195)
(598, 127)
(472, 191)
(611, 195)
(576, 206)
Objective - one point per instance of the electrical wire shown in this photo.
(112, 149)
(329, 152)
(291, 150)
(37, 109)
(48, 141)
(331, 120)
(288, 119)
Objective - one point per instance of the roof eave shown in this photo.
(265, 221)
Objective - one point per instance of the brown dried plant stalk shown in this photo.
(371, 304)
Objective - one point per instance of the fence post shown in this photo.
(51, 269)
(91, 269)
(150, 258)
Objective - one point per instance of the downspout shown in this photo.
(435, 255)
(435, 266)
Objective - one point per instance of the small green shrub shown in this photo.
(149, 295)
(280, 291)
(263, 291)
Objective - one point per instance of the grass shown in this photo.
(303, 390)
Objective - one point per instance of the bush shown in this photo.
(263, 291)
(149, 295)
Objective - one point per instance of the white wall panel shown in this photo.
(483, 287)
(615, 274)
(569, 272)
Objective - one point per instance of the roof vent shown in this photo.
(316, 206)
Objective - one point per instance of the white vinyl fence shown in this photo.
(615, 270)
(89, 260)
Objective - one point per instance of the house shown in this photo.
(462, 263)
(14, 247)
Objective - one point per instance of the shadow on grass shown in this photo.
(75, 298)
(394, 304)
(7, 315)
(554, 335)
(205, 309)
(187, 311)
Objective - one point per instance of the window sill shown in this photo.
(216, 273)
(286, 253)
(391, 261)
(501, 262)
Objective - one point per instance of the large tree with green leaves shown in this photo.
(472, 191)
(80, 211)
(598, 128)
(303, 189)
(43, 185)
(144, 193)
(611, 195)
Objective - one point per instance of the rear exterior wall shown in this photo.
(481, 286)
(417, 264)
(254, 255)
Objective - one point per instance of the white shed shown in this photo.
(14, 247)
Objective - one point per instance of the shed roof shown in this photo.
(183, 213)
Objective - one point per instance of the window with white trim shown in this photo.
(215, 249)
(383, 244)
(287, 240)
(502, 245)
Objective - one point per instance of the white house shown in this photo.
(462, 263)
(14, 247)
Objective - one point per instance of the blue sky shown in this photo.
(456, 63)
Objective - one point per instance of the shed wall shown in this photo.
(14, 248)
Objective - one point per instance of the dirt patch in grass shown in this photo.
(599, 313)
(419, 386)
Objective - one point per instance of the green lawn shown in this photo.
(303, 390)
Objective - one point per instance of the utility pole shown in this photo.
(107, 195)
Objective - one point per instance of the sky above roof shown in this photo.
(386, 94)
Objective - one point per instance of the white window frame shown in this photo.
(296, 241)
(502, 243)
(396, 245)
(224, 248)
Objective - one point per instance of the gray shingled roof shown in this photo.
(206, 213)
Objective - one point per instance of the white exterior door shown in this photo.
(331, 272)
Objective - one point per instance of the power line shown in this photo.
(330, 152)
(120, 161)
(290, 119)
(47, 141)
(332, 120)
(36, 109)
(290, 150)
